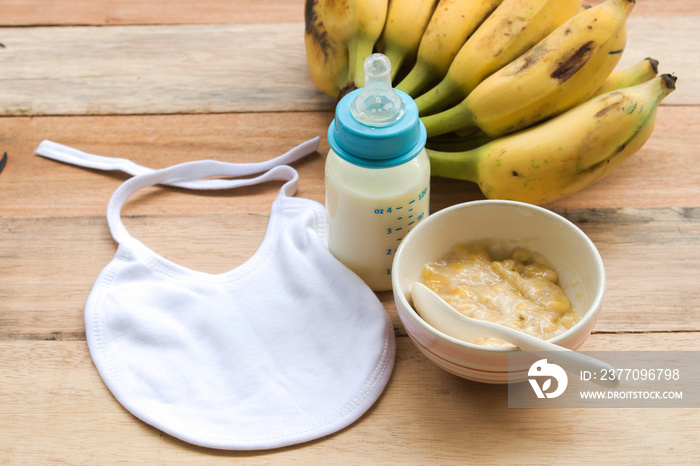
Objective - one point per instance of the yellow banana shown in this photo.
(357, 25)
(565, 154)
(639, 73)
(562, 70)
(451, 24)
(406, 21)
(513, 28)
(642, 71)
(327, 59)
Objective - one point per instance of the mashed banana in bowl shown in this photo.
(519, 290)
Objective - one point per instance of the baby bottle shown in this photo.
(377, 175)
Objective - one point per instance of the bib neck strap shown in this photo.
(61, 153)
(178, 175)
(186, 175)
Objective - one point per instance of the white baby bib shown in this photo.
(288, 347)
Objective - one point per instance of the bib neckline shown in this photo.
(132, 246)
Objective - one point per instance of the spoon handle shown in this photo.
(576, 363)
(572, 361)
(438, 313)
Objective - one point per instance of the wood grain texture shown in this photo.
(168, 81)
(664, 173)
(129, 12)
(43, 298)
(226, 68)
(675, 46)
(641, 217)
(156, 69)
(425, 416)
(126, 12)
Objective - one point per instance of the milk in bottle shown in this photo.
(377, 175)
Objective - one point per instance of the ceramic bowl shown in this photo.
(507, 224)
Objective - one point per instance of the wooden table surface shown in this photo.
(163, 82)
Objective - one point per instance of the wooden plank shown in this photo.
(155, 70)
(657, 8)
(49, 264)
(125, 12)
(225, 68)
(664, 173)
(152, 141)
(651, 258)
(674, 43)
(425, 416)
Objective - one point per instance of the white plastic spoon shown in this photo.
(443, 317)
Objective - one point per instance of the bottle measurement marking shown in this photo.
(411, 218)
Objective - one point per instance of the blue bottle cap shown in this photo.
(377, 126)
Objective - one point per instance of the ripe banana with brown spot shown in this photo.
(513, 28)
(327, 59)
(451, 24)
(562, 70)
(406, 21)
(565, 154)
(638, 73)
(357, 25)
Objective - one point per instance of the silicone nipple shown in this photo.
(377, 104)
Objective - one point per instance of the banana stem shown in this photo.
(359, 49)
(420, 77)
(457, 165)
(452, 119)
(459, 143)
(440, 97)
(396, 56)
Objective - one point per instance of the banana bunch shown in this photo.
(638, 73)
(565, 154)
(513, 28)
(559, 72)
(485, 73)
